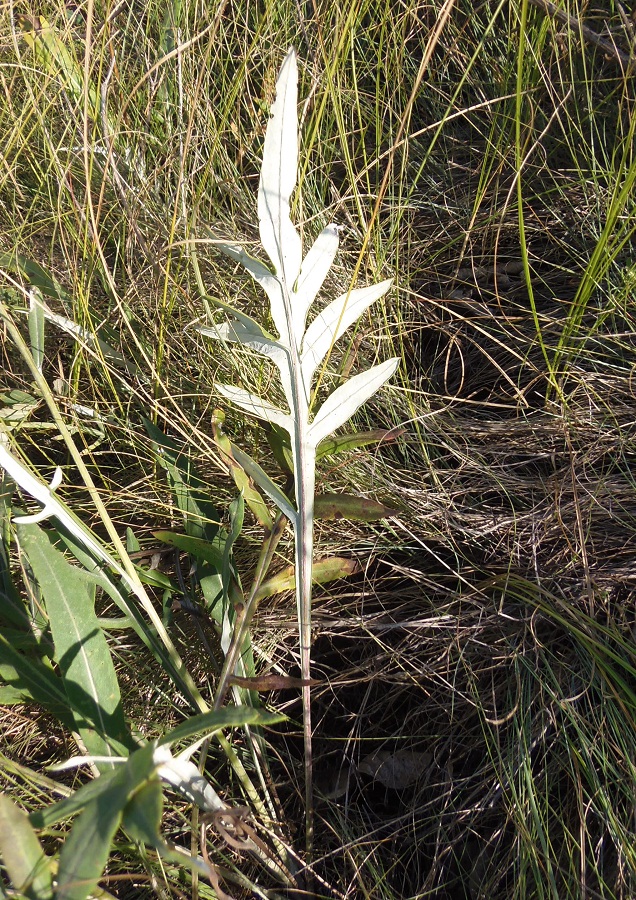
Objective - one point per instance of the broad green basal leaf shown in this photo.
(26, 863)
(81, 650)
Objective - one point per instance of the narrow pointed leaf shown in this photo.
(313, 272)
(279, 172)
(36, 331)
(78, 800)
(36, 275)
(265, 483)
(333, 321)
(256, 406)
(142, 815)
(86, 849)
(211, 553)
(122, 596)
(238, 333)
(244, 483)
(191, 491)
(269, 282)
(345, 400)
(242, 317)
(91, 339)
(213, 721)
(59, 62)
(33, 678)
(346, 442)
(278, 440)
(26, 863)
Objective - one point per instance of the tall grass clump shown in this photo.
(472, 677)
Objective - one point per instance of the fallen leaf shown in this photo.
(395, 770)
(271, 682)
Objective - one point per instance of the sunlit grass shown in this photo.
(492, 622)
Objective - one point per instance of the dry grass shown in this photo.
(492, 628)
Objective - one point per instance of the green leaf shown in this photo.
(211, 722)
(35, 680)
(278, 440)
(36, 332)
(345, 442)
(78, 800)
(26, 863)
(323, 571)
(28, 642)
(81, 650)
(12, 610)
(142, 821)
(86, 849)
(142, 815)
(209, 552)
(348, 506)
(51, 51)
(126, 602)
(132, 544)
(263, 480)
(242, 480)
(35, 274)
(191, 492)
(251, 325)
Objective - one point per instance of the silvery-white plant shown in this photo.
(292, 285)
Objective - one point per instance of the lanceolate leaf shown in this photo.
(348, 506)
(237, 333)
(86, 849)
(278, 179)
(81, 650)
(345, 400)
(255, 406)
(210, 552)
(244, 483)
(246, 320)
(270, 283)
(36, 331)
(33, 678)
(346, 442)
(265, 483)
(313, 272)
(213, 721)
(333, 321)
(23, 857)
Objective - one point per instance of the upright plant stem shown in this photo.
(304, 484)
(304, 538)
